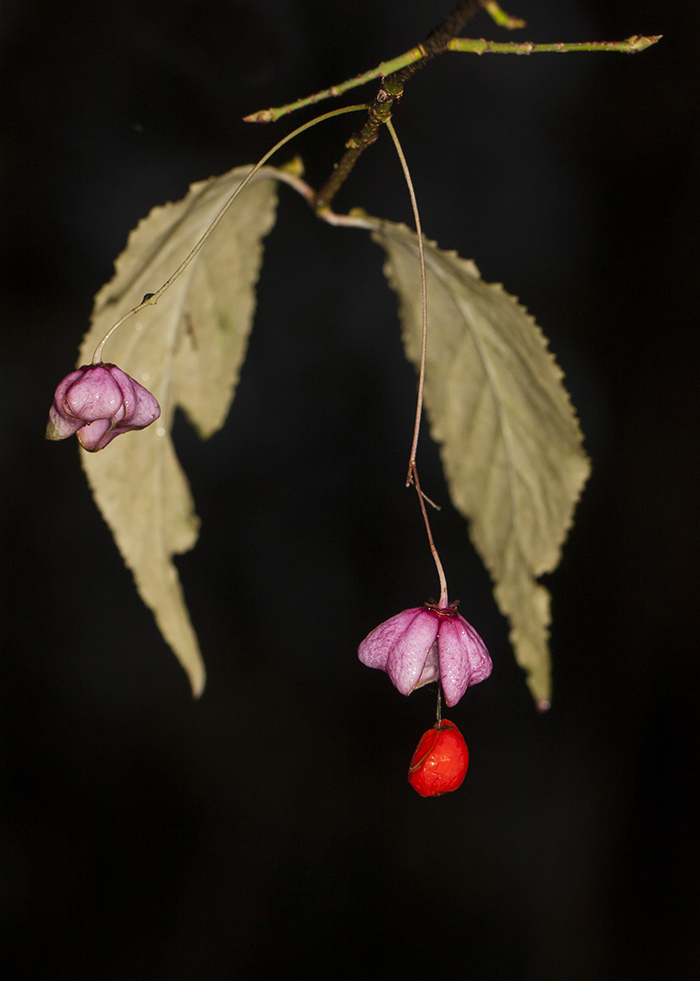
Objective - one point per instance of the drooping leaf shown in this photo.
(509, 439)
(187, 349)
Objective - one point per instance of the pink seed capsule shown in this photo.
(427, 643)
(99, 402)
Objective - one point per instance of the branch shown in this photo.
(395, 64)
(396, 72)
(632, 45)
(390, 90)
(381, 71)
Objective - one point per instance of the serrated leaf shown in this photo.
(509, 439)
(187, 350)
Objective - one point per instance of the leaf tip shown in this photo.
(539, 681)
(198, 679)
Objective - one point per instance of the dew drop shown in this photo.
(160, 431)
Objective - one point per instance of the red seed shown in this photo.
(439, 764)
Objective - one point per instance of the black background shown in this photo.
(268, 830)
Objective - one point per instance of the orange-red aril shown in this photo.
(439, 764)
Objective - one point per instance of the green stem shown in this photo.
(630, 46)
(385, 68)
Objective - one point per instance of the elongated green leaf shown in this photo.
(510, 442)
(187, 350)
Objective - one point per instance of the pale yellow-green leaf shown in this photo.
(187, 349)
(509, 439)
